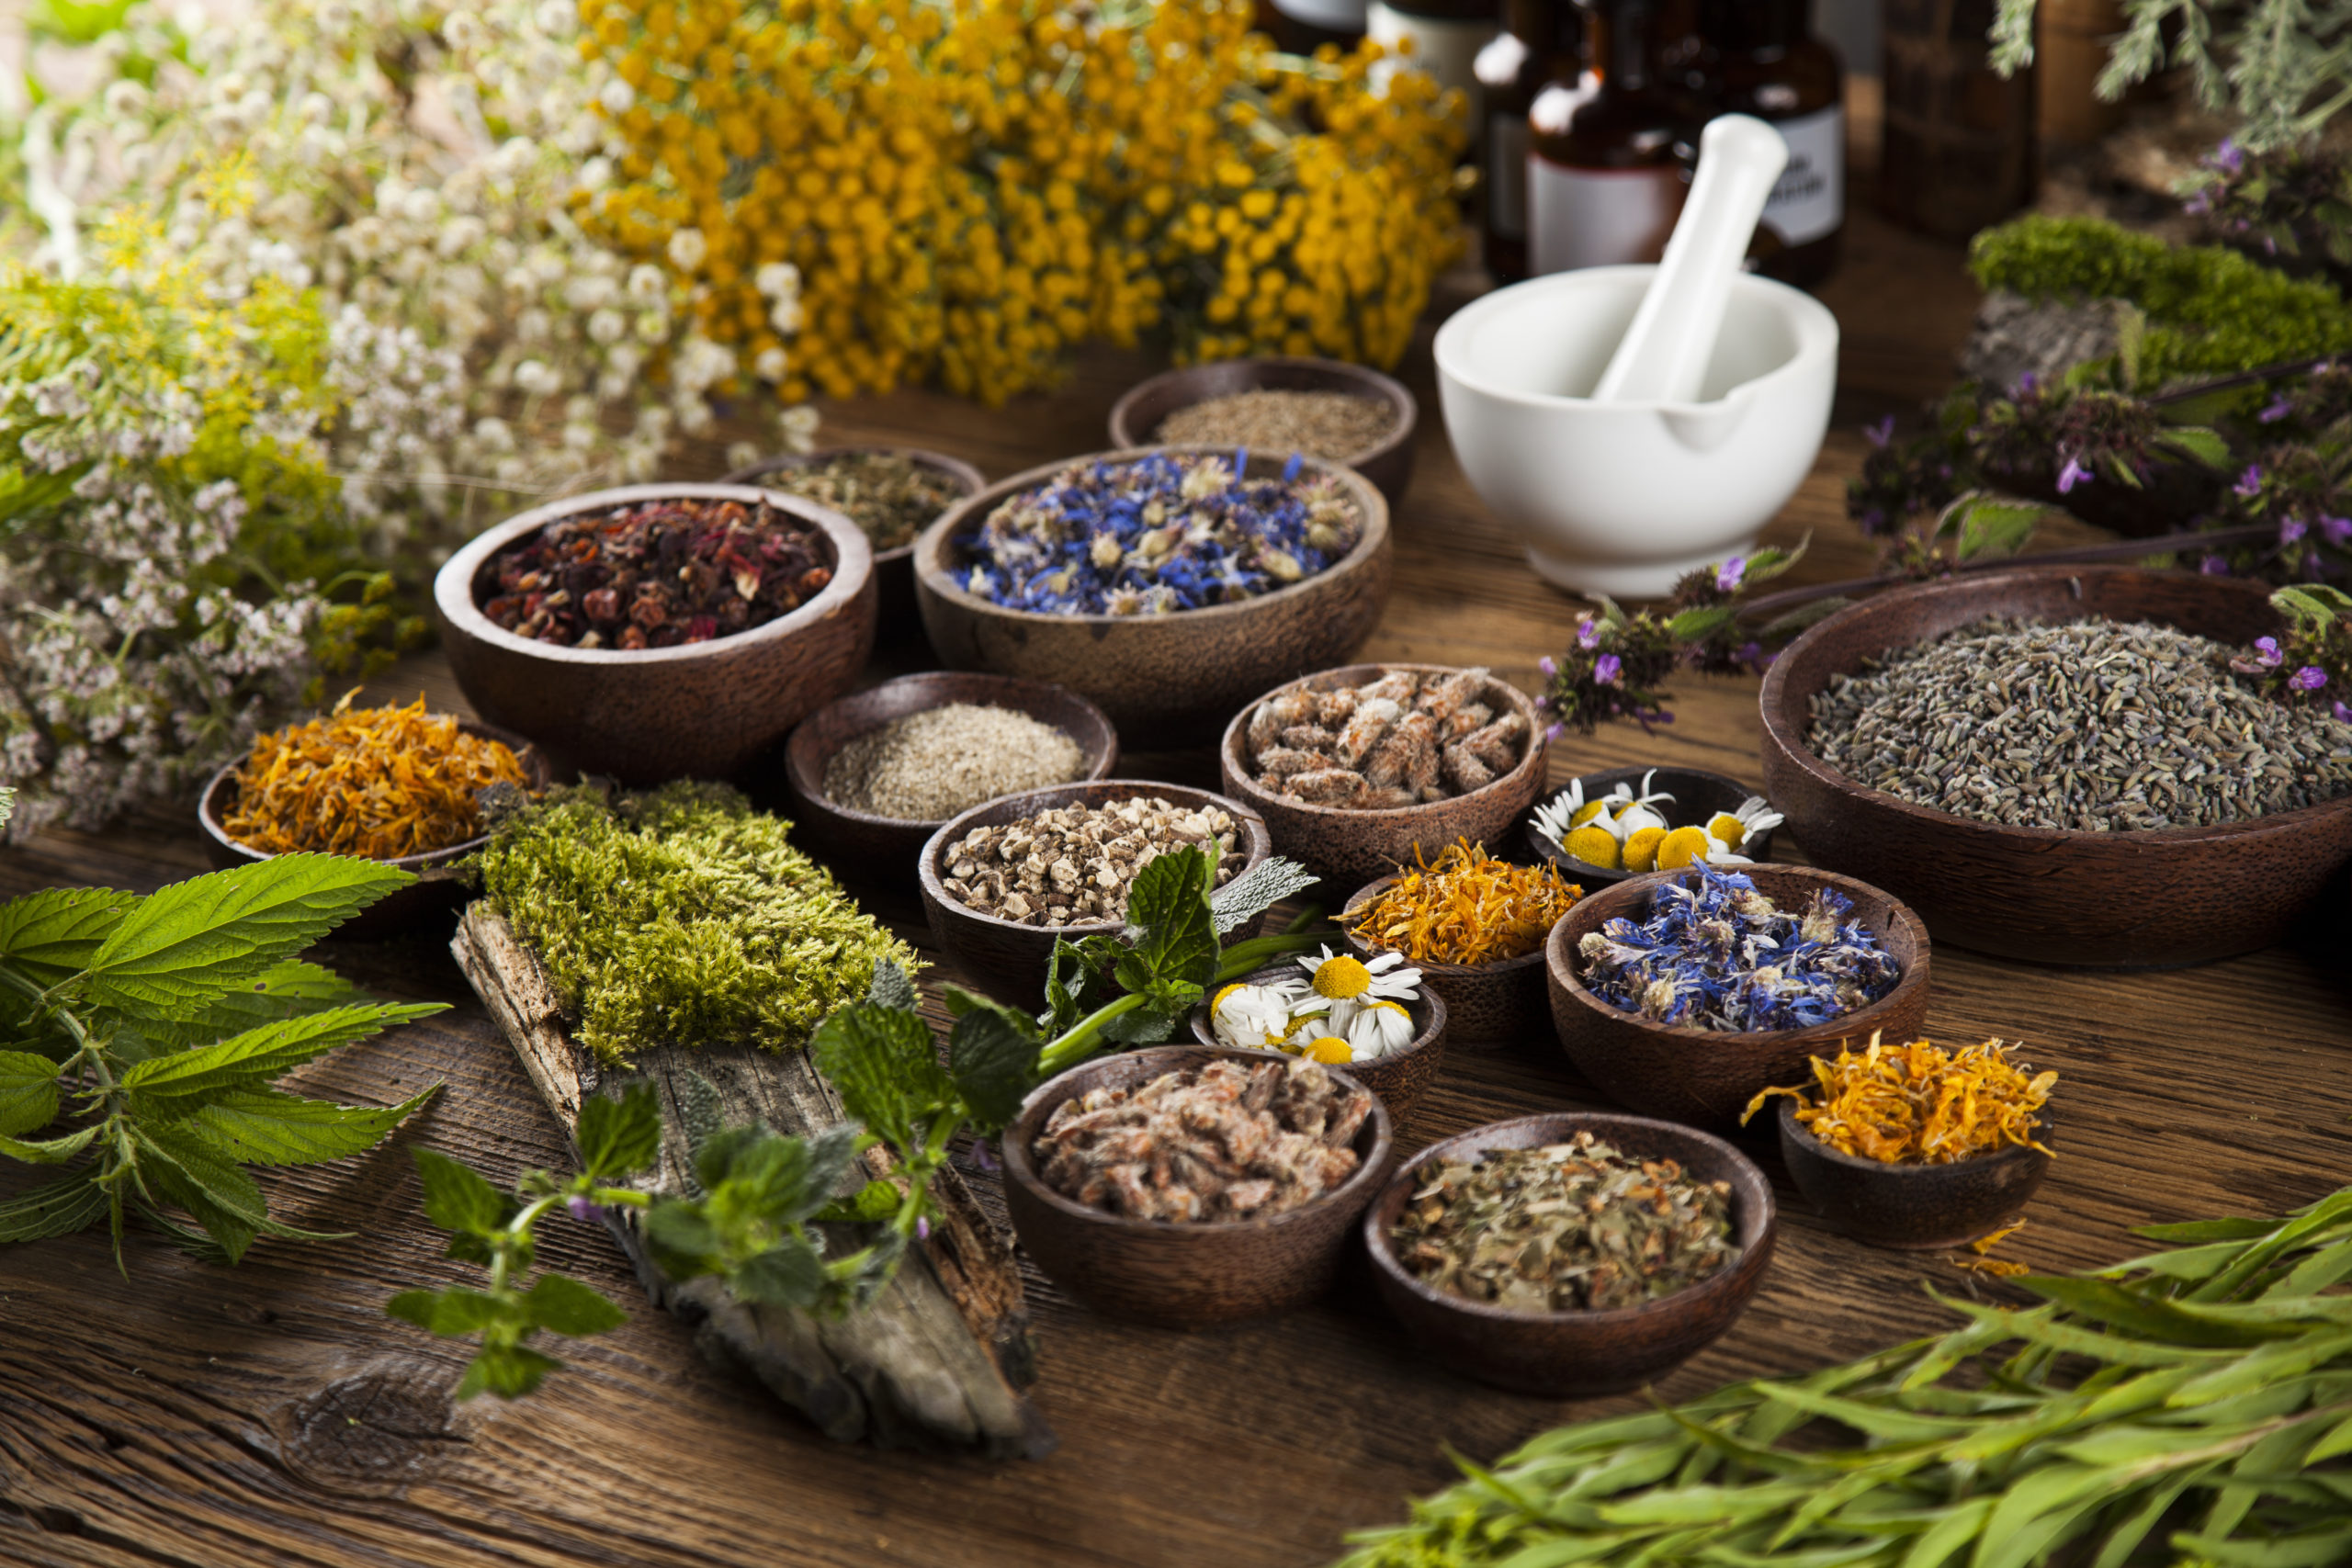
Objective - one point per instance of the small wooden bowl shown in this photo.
(1917, 1208)
(1177, 1274)
(1345, 847)
(1399, 1078)
(888, 848)
(1698, 795)
(1008, 960)
(701, 710)
(896, 617)
(439, 890)
(1559, 1354)
(1136, 417)
(1706, 1076)
(2118, 900)
(1168, 681)
(1483, 1001)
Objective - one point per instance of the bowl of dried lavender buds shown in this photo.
(1360, 770)
(1606, 827)
(1187, 1185)
(1169, 585)
(1474, 927)
(874, 774)
(1005, 880)
(2073, 764)
(1324, 407)
(660, 631)
(1572, 1254)
(1684, 994)
(1918, 1145)
(892, 492)
(1375, 1020)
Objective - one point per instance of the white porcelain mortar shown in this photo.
(1623, 497)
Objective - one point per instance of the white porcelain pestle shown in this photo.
(1663, 356)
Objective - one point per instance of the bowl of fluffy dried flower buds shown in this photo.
(659, 631)
(1189, 1185)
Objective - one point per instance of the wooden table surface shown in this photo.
(271, 1413)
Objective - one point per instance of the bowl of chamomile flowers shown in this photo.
(1606, 827)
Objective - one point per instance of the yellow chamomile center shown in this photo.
(1587, 812)
(1331, 1048)
(1340, 978)
(1641, 848)
(1594, 846)
(1682, 847)
(1218, 1000)
(1722, 825)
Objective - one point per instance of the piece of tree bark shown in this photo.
(937, 1359)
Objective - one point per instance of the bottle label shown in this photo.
(1809, 199)
(1507, 174)
(1442, 47)
(1597, 217)
(1334, 16)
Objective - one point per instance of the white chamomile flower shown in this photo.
(1635, 812)
(1733, 829)
(1376, 1028)
(1252, 1018)
(1569, 810)
(1344, 977)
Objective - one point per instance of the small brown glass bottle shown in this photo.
(1760, 58)
(1603, 184)
(1539, 42)
(1298, 27)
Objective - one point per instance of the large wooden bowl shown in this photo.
(1347, 847)
(1564, 1353)
(2167, 897)
(1135, 418)
(1706, 1076)
(1915, 1208)
(1183, 1274)
(1503, 1000)
(1400, 1078)
(702, 710)
(1165, 680)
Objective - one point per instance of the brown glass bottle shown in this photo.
(1759, 57)
(1539, 42)
(1300, 25)
(1603, 184)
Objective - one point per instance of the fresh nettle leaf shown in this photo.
(1174, 941)
(992, 1055)
(760, 1193)
(50, 937)
(28, 1093)
(617, 1136)
(883, 1064)
(268, 1126)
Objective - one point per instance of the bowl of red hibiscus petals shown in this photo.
(1192, 1185)
(656, 632)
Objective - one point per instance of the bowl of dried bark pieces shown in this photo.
(1189, 1185)
(1571, 1254)
(1397, 1076)
(1007, 879)
(1359, 770)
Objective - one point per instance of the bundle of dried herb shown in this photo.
(1468, 908)
(1567, 1227)
(1918, 1104)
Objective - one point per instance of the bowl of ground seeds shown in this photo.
(1324, 407)
(2058, 764)
(876, 773)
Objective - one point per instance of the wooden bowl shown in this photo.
(1706, 1076)
(1165, 680)
(2165, 896)
(1179, 1274)
(1345, 847)
(702, 710)
(1483, 1001)
(1919, 1208)
(1559, 1354)
(888, 848)
(1698, 795)
(1135, 418)
(1399, 1078)
(895, 619)
(440, 888)
(1008, 960)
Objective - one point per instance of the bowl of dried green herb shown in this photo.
(1324, 407)
(1577, 1253)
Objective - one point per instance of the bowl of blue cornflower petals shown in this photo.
(1685, 993)
(1169, 585)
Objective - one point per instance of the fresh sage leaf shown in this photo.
(1257, 890)
(881, 1062)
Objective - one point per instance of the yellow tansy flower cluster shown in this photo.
(964, 189)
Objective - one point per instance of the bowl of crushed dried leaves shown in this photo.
(1578, 1253)
(1918, 1145)
(397, 785)
(1474, 926)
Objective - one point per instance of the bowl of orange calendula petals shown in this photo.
(1918, 1146)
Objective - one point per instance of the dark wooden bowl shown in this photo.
(703, 710)
(1698, 795)
(1483, 1001)
(1135, 418)
(1008, 960)
(2118, 900)
(439, 890)
(896, 617)
(1398, 1078)
(1182, 1275)
(1171, 681)
(1706, 1076)
(888, 848)
(1918, 1208)
(1560, 1353)
(1346, 847)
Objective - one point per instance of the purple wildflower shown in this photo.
(2213, 566)
(1606, 669)
(2229, 157)
(2073, 474)
(2309, 678)
(584, 1211)
(2266, 652)
(1552, 731)
(984, 1154)
(1588, 633)
(1548, 665)
(2292, 529)
(2249, 483)
(2343, 714)
(923, 1228)
(1882, 433)
(1728, 575)
(2278, 409)
(2338, 530)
